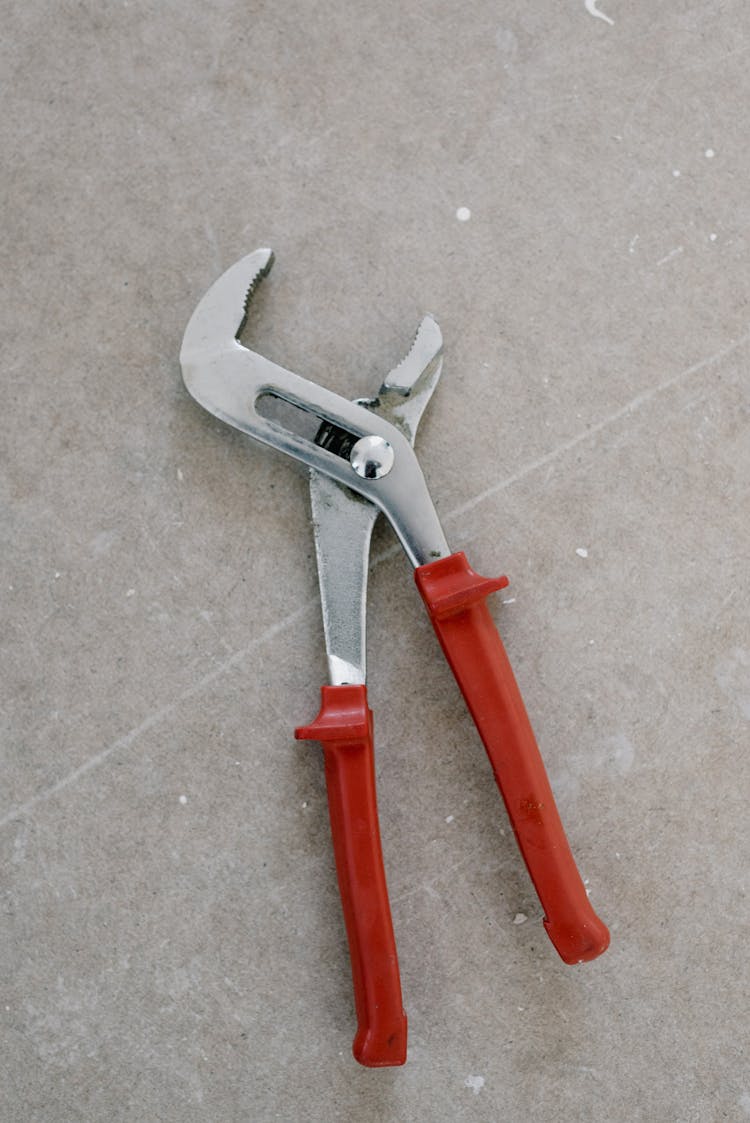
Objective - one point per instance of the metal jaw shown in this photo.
(228, 380)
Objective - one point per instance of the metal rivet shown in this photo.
(371, 458)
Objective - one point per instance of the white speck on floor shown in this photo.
(510, 600)
(592, 10)
(179, 474)
(712, 237)
(709, 153)
(476, 1083)
(57, 574)
(130, 593)
(520, 918)
(304, 803)
(632, 242)
(668, 257)
(676, 173)
(449, 818)
(183, 799)
(582, 552)
(463, 214)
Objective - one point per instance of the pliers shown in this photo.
(362, 462)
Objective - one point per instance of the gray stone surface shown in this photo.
(185, 960)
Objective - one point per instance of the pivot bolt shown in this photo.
(372, 457)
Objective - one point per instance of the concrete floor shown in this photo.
(172, 944)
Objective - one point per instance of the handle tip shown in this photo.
(580, 943)
(381, 1046)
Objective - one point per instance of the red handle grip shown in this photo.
(344, 727)
(455, 598)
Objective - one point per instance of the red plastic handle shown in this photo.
(344, 727)
(455, 598)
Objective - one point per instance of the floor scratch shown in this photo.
(629, 408)
(668, 257)
(428, 886)
(129, 738)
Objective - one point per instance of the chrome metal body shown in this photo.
(343, 522)
(228, 380)
(342, 525)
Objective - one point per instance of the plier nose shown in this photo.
(233, 383)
